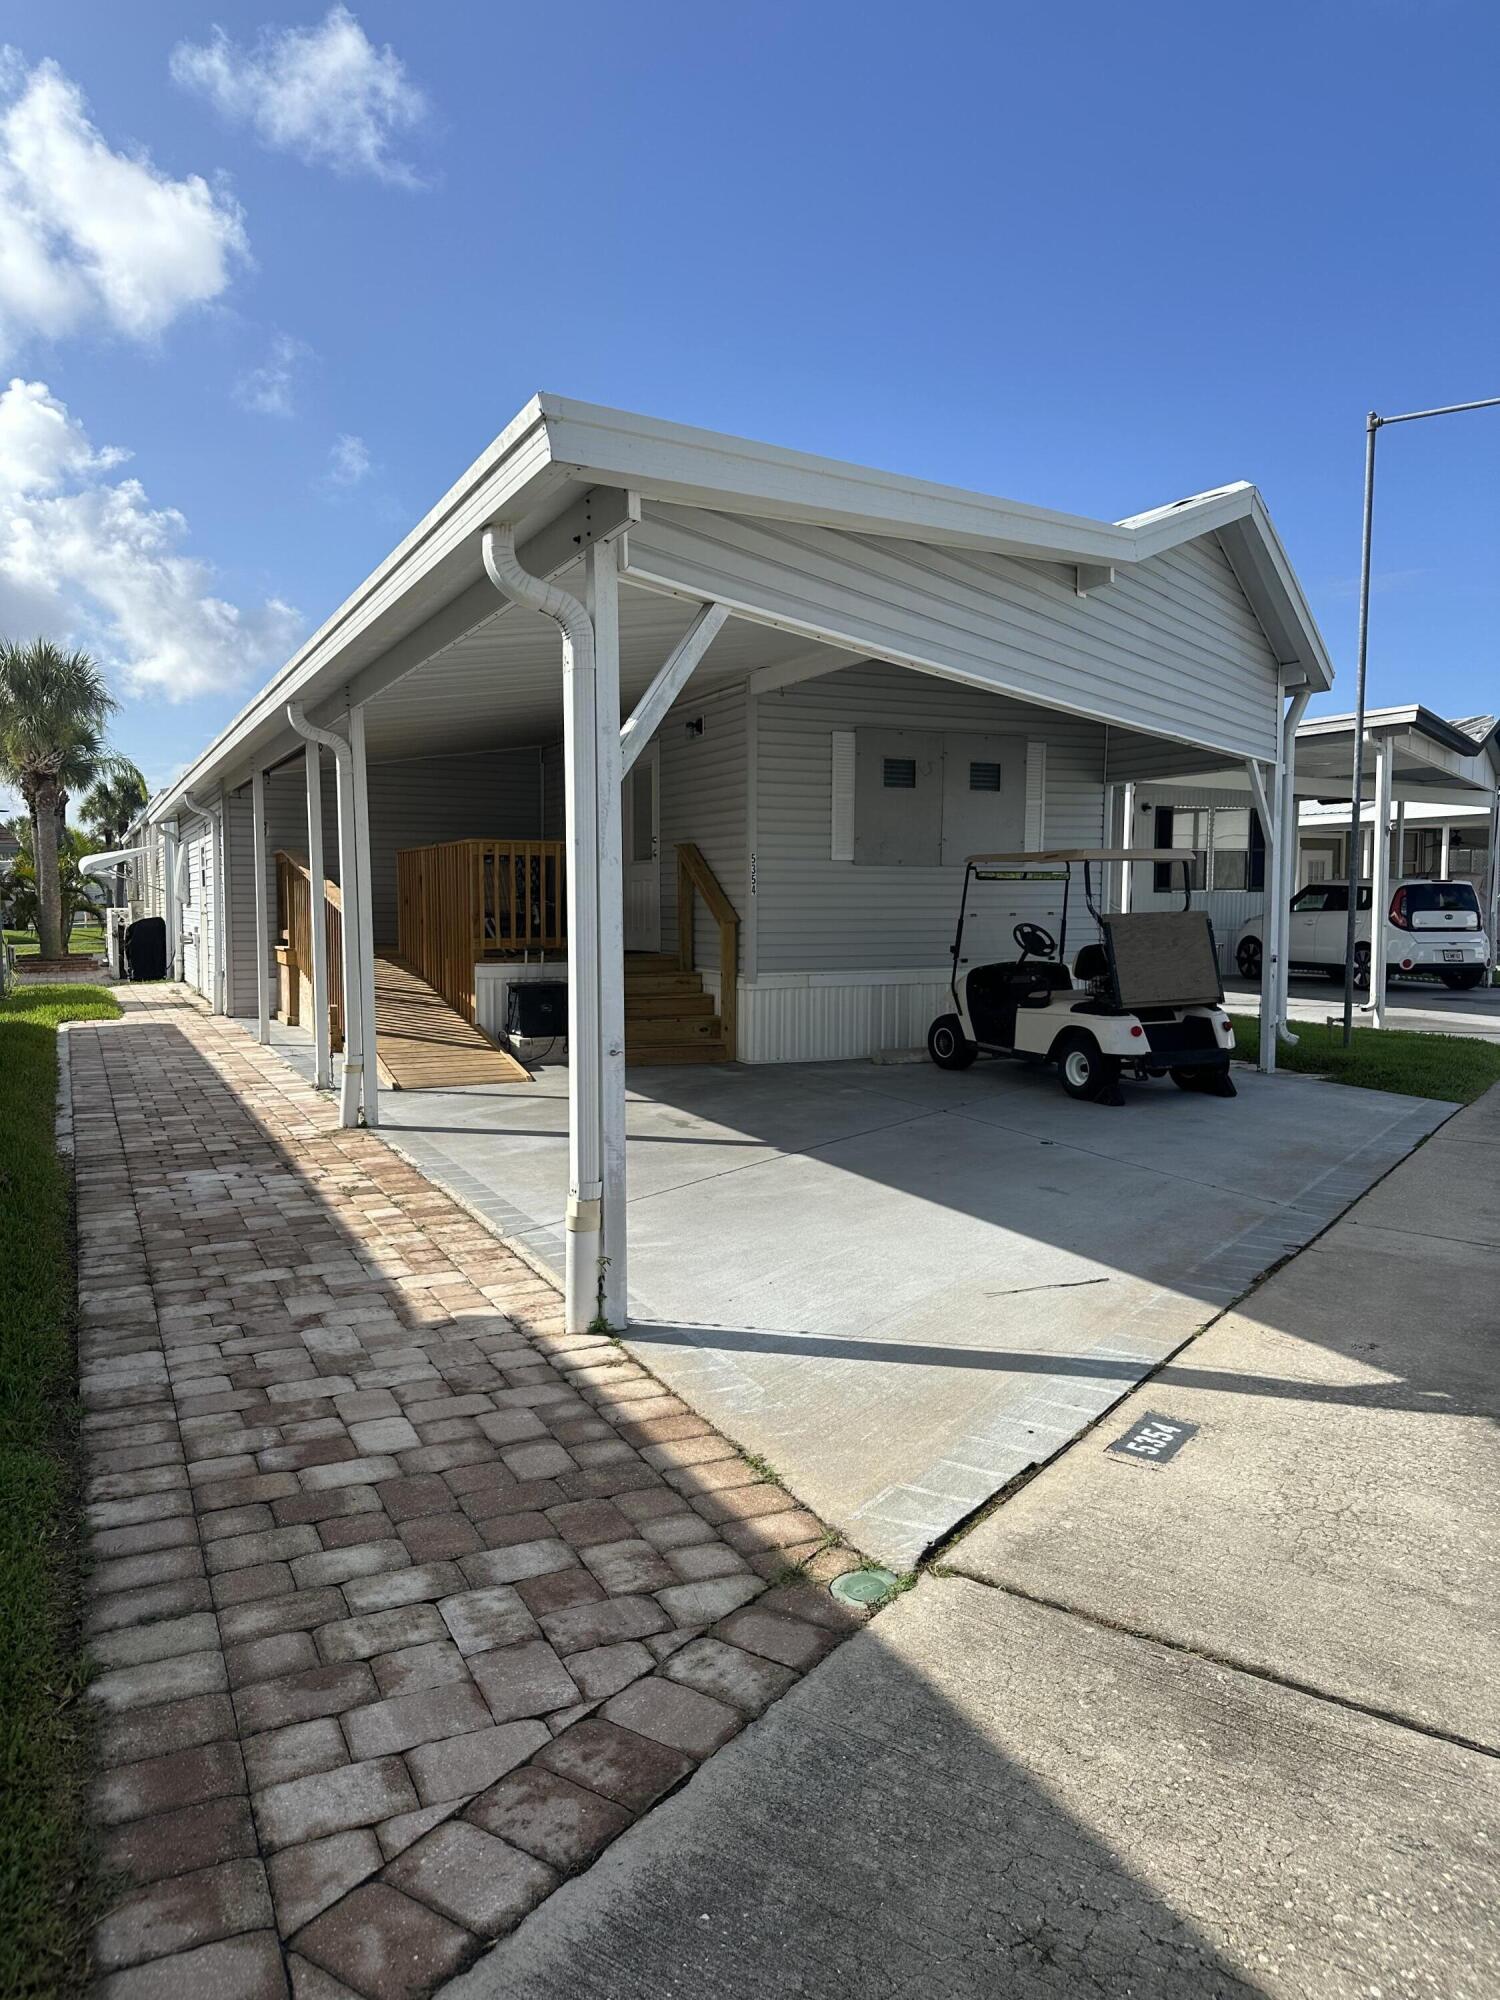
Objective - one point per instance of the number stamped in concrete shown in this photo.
(1154, 1439)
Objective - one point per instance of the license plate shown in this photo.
(1453, 957)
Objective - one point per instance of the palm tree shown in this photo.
(110, 808)
(54, 707)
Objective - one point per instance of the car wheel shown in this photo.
(1361, 967)
(947, 1044)
(1461, 981)
(1247, 958)
(1086, 1071)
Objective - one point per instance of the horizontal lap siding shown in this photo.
(703, 799)
(198, 921)
(1171, 646)
(819, 915)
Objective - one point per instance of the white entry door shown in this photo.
(641, 812)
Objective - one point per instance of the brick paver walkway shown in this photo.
(404, 1603)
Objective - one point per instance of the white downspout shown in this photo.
(585, 1148)
(1286, 856)
(351, 1082)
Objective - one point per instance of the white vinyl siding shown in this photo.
(703, 799)
(198, 914)
(1170, 647)
(818, 914)
(490, 795)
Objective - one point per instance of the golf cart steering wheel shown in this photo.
(1034, 941)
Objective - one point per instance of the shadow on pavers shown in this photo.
(979, 1797)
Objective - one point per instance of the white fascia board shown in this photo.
(706, 469)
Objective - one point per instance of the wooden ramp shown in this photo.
(423, 1044)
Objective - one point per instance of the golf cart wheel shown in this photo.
(947, 1044)
(1086, 1071)
(1461, 979)
(1247, 958)
(1213, 1082)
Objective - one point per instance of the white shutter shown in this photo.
(844, 754)
(1036, 795)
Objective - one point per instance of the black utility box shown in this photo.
(536, 1009)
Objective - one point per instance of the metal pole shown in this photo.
(1380, 879)
(603, 604)
(365, 918)
(1372, 425)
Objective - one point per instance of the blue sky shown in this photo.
(271, 289)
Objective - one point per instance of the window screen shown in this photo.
(984, 777)
(899, 774)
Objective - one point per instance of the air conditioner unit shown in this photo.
(536, 1019)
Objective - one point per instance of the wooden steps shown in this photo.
(423, 1044)
(668, 1016)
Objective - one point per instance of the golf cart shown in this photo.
(1145, 1000)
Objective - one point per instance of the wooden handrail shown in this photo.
(294, 926)
(694, 876)
(461, 901)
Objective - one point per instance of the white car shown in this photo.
(1431, 927)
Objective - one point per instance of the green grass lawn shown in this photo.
(86, 937)
(1457, 1067)
(44, 1911)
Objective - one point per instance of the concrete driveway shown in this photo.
(903, 1287)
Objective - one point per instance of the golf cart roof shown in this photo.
(1046, 857)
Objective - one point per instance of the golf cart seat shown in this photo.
(995, 992)
(1091, 964)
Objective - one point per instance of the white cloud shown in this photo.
(348, 462)
(88, 234)
(271, 388)
(87, 558)
(326, 94)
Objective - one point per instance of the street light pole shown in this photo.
(1373, 423)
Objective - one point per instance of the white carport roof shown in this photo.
(1436, 762)
(565, 473)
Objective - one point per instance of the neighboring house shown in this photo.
(1443, 779)
(10, 849)
(834, 684)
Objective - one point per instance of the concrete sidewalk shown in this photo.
(1245, 1743)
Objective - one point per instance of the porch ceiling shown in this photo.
(502, 682)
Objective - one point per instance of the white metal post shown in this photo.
(1492, 899)
(318, 970)
(581, 835)
(1398, 850)
(1446, 852)
(1271, 929)
(1380, 878)
(351, 1078)
(262, 926)
(365, 925)
(171, 908)
(1127, 839)
(603, 600)
(1284, 879)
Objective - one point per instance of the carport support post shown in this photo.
(1284, 877)
(1127, 839)
(1270, 949)
(262, 926)
(603, 603)
(1398, 850)
(318, 970)
(169, 904)
(365, 915)
(1446, 850)
(1492, 898)
(1380, 878)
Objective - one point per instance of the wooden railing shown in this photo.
(466, 900)
(294, 927)
(694, 876)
